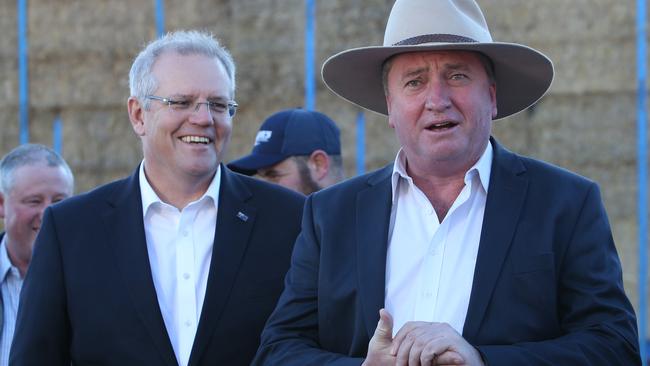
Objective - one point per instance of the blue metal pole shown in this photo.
(57, 135)
(310, 25)
(23, 79)
(160, 17)
(361, 143)
(642, 165)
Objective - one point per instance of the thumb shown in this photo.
(384, 330)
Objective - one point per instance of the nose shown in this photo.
(41, 210)
(201, 115)
(437, 96)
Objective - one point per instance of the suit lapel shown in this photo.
(373, 219)
(235, 221)
(125, 236)
(506, 194)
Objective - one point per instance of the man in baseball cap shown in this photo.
(297, 149)
(461, 252)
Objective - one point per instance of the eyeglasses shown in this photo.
(183, 105)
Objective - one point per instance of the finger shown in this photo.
(431, 351)
(416, 353)
(446, 358)
(384, 330)
(404, 350)
(402, 333)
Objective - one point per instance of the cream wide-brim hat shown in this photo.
(523, 75)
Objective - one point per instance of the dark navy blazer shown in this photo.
(89, 297)
(547, 286)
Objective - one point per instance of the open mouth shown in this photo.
(196, 140)
(442, 126)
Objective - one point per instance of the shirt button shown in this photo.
(186, 276)
(188, 323)
(185, 233)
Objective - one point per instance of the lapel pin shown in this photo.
(242, 216)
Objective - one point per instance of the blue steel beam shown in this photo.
(160, 17)
(310, 28)
(361, 143)
(642, 169)
(23, 77)
(57, 135)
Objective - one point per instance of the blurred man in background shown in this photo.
(297, 149)
(32, 177)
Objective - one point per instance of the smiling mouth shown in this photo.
(442, 126)
(196, 140)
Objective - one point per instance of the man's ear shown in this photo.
(493, 97)
(319, 165)
(2, 205)
(136, 115)
(391, 124)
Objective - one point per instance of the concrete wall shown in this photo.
(80, 53)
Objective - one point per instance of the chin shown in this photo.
(202, 171)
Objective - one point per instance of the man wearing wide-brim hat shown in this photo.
(461, 252)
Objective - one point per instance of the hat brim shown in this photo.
(250, 164)
(523, 75)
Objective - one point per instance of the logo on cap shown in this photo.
(263, 136)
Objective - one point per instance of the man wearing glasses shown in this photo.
(180, 263)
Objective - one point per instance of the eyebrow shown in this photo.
(457, 66)
(193, 97)
(415, 72)
(447, 66)
(267, 171)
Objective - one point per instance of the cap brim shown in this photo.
(250, 164)
(523, 75)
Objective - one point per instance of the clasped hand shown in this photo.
(419, 344)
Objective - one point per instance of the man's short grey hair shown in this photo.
(29, 154)
(141, 80)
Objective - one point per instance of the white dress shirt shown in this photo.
(430, 264)
(11, 283)
(179, 244)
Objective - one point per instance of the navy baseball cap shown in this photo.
(288, 133)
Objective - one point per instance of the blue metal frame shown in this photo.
(160, 17)
(57, 135)
(23, 77)
(642, 166)
(361, 143)
(310, 29)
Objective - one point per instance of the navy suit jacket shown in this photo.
(547, 285)
(89, 298)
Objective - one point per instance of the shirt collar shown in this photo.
(150, 197)
(5, 263)
(483, 167)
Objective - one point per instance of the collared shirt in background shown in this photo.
(179, 244)
(11, 283)
(430, 264)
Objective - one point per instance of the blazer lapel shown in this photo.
(125, 237)
(373, 219)
(506, 194)
(235, 221)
